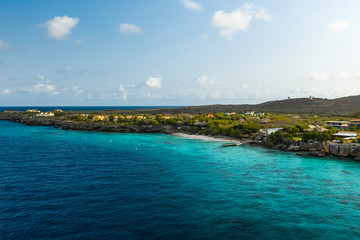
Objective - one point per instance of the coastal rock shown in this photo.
(313, 145)
(259, 136)
(315, 153)
(344, 150)
(293, 148)
(354, 149)
(185, 129)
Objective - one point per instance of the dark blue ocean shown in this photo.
(57, 184)
(78, 108)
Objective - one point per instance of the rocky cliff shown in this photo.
(345, 150)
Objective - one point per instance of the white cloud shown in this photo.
(357, 75)
(6, 91)
(230, 22)
(77, 91)
(4, 46)
(123, 92)
(128, 28)
(191, 5)
(244, 86)
(60, 27)
(315, 76)
(154, 82)
(337, 26)
(239, 19)
(42, 88)
(261, 13)
(205, 81)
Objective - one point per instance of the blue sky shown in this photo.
(176, 52)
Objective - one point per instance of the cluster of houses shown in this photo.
(44, 114)
(116, 118)
(344, 124)
(32, 111)
(253, 114)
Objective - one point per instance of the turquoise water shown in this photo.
(57, 184)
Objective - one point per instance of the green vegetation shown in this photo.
(287, 134)
(237, 125)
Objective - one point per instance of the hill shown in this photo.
(339, 106)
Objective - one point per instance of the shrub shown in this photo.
(91, 116)
(320, 137)
(280, 137)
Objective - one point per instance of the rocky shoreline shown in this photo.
(312, 148)
(318, 149)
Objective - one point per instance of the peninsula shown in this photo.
(315, 133)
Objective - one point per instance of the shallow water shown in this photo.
(57, 184)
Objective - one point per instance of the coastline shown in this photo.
(222, 139)
(312, 148)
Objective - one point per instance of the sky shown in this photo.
(176, 52)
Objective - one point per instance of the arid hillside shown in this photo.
(340, 106)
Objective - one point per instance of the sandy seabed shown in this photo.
(207, 138)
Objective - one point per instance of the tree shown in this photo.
(91, 116)
(111, 117)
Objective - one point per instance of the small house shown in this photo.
(32, 111)
(264, 121)
(45, 114)
(272, 130)
(241, 120)
(200, 124)
(337, 124)
(315, 127)
(98, 117)
(346, 135)
(355, 122)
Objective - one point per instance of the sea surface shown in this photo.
(78, 108)
(57, 184)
